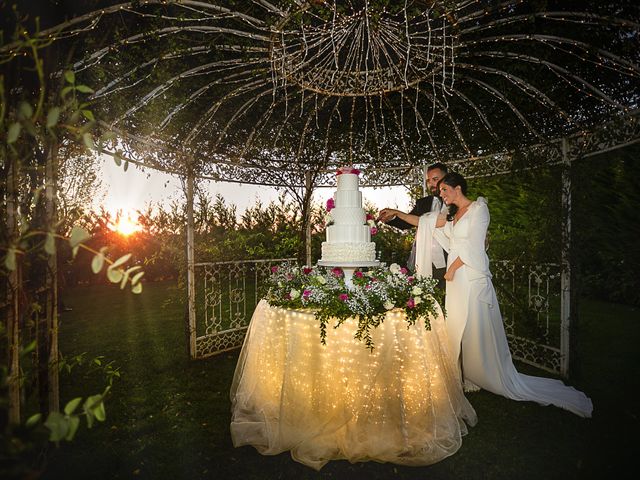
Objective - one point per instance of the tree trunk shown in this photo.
(13, 297)
(51, 169)
(304, 253)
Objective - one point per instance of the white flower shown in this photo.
(416, 291)
(280, 284)
(389, 305)
(394, 268)
(321, 280)
(294, 294)
(417, 300)
(371, 223)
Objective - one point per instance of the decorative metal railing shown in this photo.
(226, 296)
(529, 298)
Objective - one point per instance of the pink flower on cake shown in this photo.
(274, 269)
(404, 270)
(331, 204)
(352, 170)
(411, 303)
(306, 294)
(343, 297)
(358, 274)
(369, 217)
(373, 230)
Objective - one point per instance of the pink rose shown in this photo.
(306, 293)
(343, 297)
(352, 170)
(410, 279)
(274, 269)
(359, 274)
(373, 230)
(369, 217)
(411, 303)
(331, 204)
(307, 270)
(404, 271)
(337, 271)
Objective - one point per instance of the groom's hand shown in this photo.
(386, 214)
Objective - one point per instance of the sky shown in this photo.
(134, 189)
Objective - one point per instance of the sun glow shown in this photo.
(125, 225)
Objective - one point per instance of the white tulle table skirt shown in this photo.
(400, 403)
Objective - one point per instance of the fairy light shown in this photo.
(375, 62)
(288, 376)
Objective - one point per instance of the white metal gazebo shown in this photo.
(281, 92)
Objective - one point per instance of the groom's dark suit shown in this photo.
(423, 205)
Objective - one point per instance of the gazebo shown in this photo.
(281, 93)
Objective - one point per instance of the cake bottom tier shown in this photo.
(349, 252)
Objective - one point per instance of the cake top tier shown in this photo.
(347, 181)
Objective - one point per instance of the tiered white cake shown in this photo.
(349, 237)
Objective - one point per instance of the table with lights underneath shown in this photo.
(400, 402)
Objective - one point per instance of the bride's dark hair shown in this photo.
(453, 180)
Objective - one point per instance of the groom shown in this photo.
(430, 203)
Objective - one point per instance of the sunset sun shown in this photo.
(126, 226)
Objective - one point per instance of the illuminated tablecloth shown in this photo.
(400, 403)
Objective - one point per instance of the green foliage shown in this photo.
(607, 225)
(526, 215)
(64, 425)
(44, 120)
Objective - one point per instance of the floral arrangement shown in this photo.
(331, 204)
(374, 292)
(373, 226)
(343, 170)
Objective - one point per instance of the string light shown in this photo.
(379, 57)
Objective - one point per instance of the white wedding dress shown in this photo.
(474, 323)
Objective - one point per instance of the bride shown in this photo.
(474, 323)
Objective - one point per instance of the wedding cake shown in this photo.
(348, 236)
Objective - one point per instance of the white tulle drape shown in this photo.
(400, 403)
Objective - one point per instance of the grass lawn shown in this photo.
(168, 417)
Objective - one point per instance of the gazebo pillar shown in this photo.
(191, 274)
(308, 185)
(565, 270)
